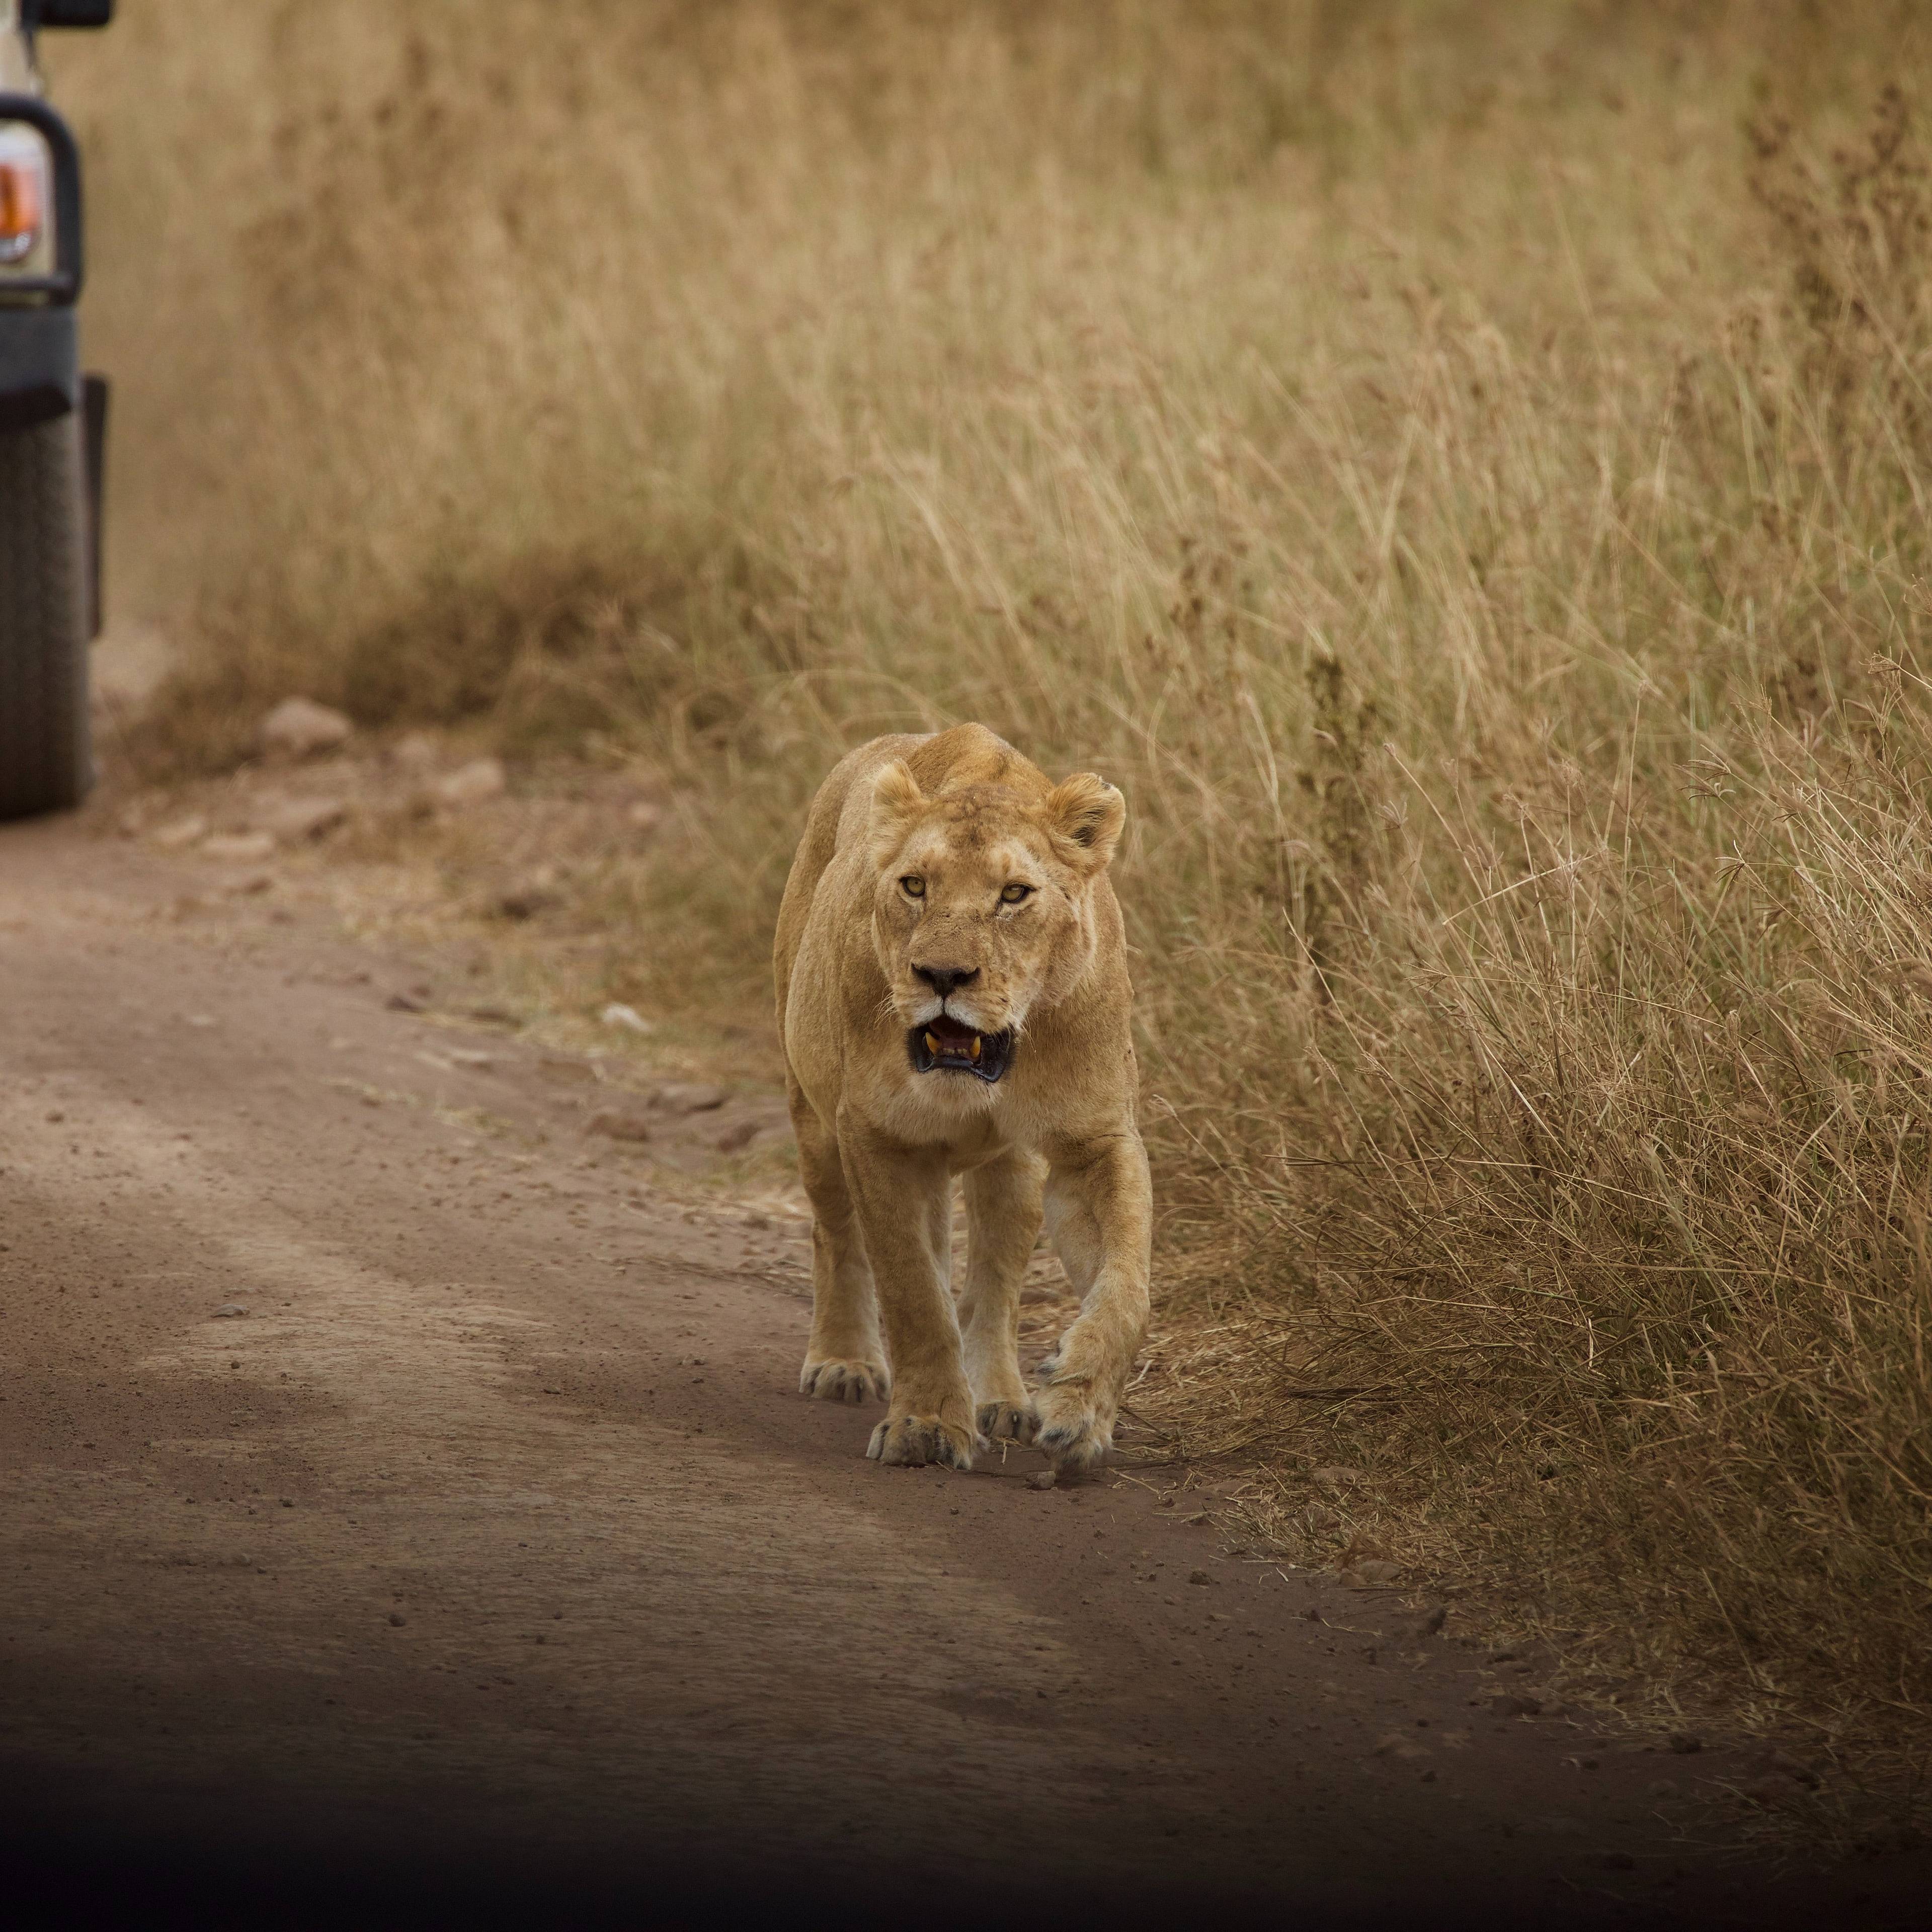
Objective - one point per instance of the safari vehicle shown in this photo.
(53, 425)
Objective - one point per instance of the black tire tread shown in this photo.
(45, 762)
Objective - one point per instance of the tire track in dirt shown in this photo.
(634, 1540)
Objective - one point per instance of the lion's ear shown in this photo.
(897, 801)
(1084, 815)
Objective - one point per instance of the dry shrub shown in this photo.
(1472, 499)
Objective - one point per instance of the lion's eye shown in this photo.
(913, 885)
(1012, 894)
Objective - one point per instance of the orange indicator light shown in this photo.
(23, 207)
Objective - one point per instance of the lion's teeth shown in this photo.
(931, 1044)
(976, 1046)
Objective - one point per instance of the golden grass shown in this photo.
(1461, 468)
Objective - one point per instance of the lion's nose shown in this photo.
(945, 979)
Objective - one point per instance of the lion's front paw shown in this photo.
(1075, 1430)
(839, 1381)
(914, 1440)
(1007, 1421)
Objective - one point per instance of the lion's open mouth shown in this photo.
(947, 1045)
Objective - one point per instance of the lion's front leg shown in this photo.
(1003, 1208)
(843, 1361)
(902, 1197)
(1099, 1212)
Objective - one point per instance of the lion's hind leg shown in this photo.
(1003, 1210)
(1098, 1206)
(843, 1360)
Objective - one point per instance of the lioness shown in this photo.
(952, 996)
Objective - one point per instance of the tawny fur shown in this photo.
(963, 815)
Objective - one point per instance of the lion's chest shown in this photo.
(936, 1111)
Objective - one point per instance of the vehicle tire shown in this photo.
(46, 760)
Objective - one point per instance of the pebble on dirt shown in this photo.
(295, 820)
(414, 751)
(238, 848)
(1199, 1576)
(1398, 1744)
(298, 728)
(525, 901)
(228, 1311)
(1510, 1705)
(1042, 1479)
(618, 1126)
(180, 832)
(678, 1096)
(481, 780)
(1376, 1574)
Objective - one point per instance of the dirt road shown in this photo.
(489, 1560)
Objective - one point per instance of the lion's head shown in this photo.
(983, 908)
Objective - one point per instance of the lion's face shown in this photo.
(982, 909)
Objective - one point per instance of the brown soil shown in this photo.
(489, 1560)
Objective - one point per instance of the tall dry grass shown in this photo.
(1462, 468)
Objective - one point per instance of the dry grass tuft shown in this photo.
(1472, 495)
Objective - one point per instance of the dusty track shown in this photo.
(446, 1578)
